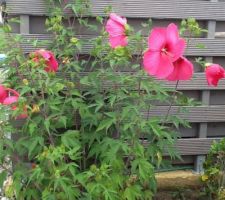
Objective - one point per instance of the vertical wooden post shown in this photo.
(205, 97)
(24, 24)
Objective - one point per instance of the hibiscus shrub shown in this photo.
(78, 125)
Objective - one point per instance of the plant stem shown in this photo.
(44, 111)
(171, 104)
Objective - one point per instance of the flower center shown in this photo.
(166, 52)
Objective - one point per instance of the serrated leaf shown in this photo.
(3, 176)
(133, 192)
(47, 125)
(63, 120)
(105, 124)
(71, 139)
(34, 143)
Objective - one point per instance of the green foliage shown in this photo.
(191, 27)
(214, 175)
(85, 136)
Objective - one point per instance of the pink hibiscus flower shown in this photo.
(183, 70)
(8, 100)
(50, 60)
(116, 27)
(164, 48)
(214, 73)
(3, 93)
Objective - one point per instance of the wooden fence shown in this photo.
(207, 120)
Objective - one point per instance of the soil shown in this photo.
(181, 194)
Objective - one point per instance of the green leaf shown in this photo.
(32, 128)
(143, 167)
(3, 176)
(71, 139)
(105, 124)
(25, 90)
(33, 144)
(63, 120)
(132, 192)
(47, 125)
(76, 93)
(47, 195)
(85, 81)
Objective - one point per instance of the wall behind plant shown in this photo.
(207, 120)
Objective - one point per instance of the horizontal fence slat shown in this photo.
(212, 47)
(164, 9)
(186, 160)
(192, 146)
(193, 114)
(198, 82)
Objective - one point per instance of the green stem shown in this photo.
(171, 104)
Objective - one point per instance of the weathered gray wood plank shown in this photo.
(164, 9)
(198, 82)
(24, 24)
(194, 114)
(192, 146)
(213, 47)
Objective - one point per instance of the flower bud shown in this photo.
(70, 84)
(33, 165)
(204, 177)
(66, 60)
(93, 168)
(74, 40)
(208, 64)
(8, 188)
(25, 82)
(35, 109)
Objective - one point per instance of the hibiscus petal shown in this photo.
(3, 93)
(10, 100)
(151, 61)
(183, 70)
(117, 18)
(22, 116)
(52, 64)
(14, 92)
(45, 54)
(172, 34)
(157, 39)
(157, 64)
(213, 82)
(176, 50)
(165, 67)
(14, 99)
(214, 73)
(118, 41)
(50, 60)
(114, 28)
